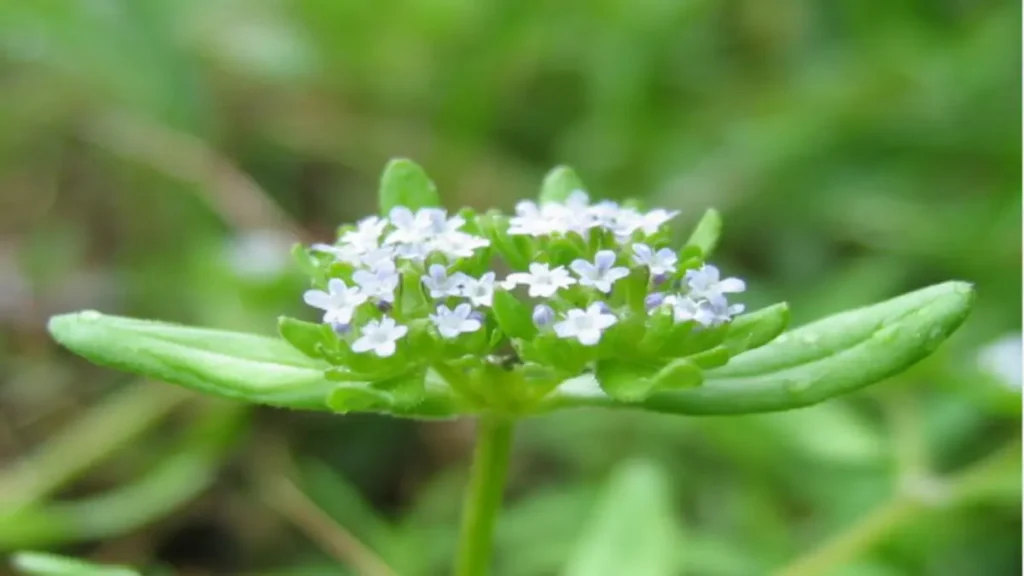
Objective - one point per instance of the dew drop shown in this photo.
(89, 315)
(811, 338)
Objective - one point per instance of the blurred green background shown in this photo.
(159, 157)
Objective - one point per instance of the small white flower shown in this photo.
(415, 251)
(1002, 359)
(604, 213)
(713, 311)
(435, 221)
(440, 284)
(381, 282)
(528, 221)
(407, 229)
(479, 291)
(685, 309)
(602, 273)
(366, 236)
(378, 257)
(379, 336)
(338, 303)
(344, 253)
(455, 245)
(706, 282)
(625, 222)
(542, 280)
(661, 262)
(450, 323)
(585, 325)
(653, 220)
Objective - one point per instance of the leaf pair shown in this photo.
(830, 357)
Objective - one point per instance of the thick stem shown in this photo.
(483, 498)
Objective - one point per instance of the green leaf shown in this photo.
(494, 226)
(405, 183)
(756, 329)
(558, 184)
(306, 337)
(705, 235)
(833, 356)
(42, 564)
(514, 317)
(632, 530)
(625, 381)
(345, 399)
(229, 364)
(678, 374)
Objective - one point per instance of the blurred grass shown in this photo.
(157, 159)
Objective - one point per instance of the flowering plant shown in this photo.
(566, 303)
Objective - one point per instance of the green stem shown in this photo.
(483, 498)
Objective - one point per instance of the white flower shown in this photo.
(542, 280)
(1002, 359)
(713, 311)
(415, 251)
(338, 303)
(604, 213)
(706, 282)
(379, 336)
(529, 221)
(661, 262)
(451, 323)
(344, 253)
(380, 282)
(366, 236)
(440, 284)
(585, 325)
(685, 309)
(424, 224)
(455, 245)
(378, 257)
(602, 273)
(653, 220)
(479, 291)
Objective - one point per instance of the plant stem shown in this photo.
(483, 498)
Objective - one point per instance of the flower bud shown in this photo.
(543, 316)
(341, 329)
(653, 300)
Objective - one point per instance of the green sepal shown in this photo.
(405, 183)
(679, 374)
(345, 399)
(514, 318)
(660, 325)
(705, 235)
(308, 264)
(306, 337)
(624, 380)
(632, 290)
(412, 300)
(756, 329)
(558, 184)
(494, 226)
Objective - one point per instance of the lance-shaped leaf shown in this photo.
(632, 530)
(705, 236)
(405, 183)
(42, 564)
(234, 365)
(827, 358)
(559, 183)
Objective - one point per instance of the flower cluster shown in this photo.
(425, 270)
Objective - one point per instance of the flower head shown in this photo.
(586, 326)
(339, 302)
(543, 280)
(380, 337)
(450, 323)
(600, 274)
(366, 236)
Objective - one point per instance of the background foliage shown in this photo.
(158, 158)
